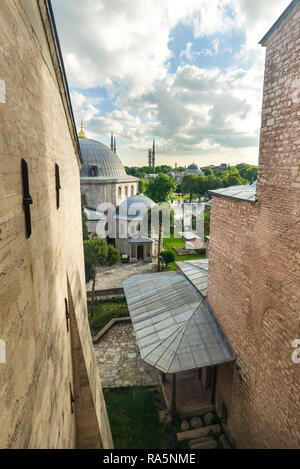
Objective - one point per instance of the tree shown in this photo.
(208, 171)
(160, 188)
(201, 185)
(85, 231)
(242, 168)
(189, 185)
(234, 180)
(143, 185)
(97, 253)
(167, 257)
(251, 174)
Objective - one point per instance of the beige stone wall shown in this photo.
(42, 358)
(254, 273)
(98, 192)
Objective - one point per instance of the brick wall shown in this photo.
(254, 267)
(42, 357)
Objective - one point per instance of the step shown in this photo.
(198, 432)
(196, 411)
(212, 444)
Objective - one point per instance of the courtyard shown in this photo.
(119, 360)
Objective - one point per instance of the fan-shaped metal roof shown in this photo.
(174, 325)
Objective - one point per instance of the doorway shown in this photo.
(140, 252)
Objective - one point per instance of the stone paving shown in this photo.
(119, 360)
(113, 277)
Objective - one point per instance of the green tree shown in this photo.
(189, 185)
(251, 174)
(167, 257)
(242, 168)
(85, 231)
(96, 254)
(208, 171)
(160, 188)
(143, 185)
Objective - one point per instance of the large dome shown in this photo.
(99, 160)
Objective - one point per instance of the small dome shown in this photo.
(99, 160)
(135, 206)
(193, 167)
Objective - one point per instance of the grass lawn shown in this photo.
(169, 243)
(176, 197)
(105, 310)
(134, 419)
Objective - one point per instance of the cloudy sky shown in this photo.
(187, 72)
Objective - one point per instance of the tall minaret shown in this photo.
(112, 142)
(115, 145)
(149, 158)
(153, 154)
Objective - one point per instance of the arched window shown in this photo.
(126, 191)
(94, 171)
(120, 192)
(132, 190)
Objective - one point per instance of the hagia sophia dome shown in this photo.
(99, 160)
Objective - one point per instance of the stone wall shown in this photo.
(254, 267)
(45, 359)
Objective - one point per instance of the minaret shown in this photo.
(82, 133)
(115, 145)
(112, 142)
(153, 154)
(149, 157)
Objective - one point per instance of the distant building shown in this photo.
(103, 178)
(193, 169)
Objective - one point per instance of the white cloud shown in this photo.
(123, 46)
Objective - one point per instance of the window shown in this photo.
(27, 199)
(126, 191)
(120, 192)
(57, 185)
(132, 190)
(94, 171)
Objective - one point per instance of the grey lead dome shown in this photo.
(99, 160)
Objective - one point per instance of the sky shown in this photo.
(187, 73)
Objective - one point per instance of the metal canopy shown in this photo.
(196, 272)
(174, 326)
(239, 193)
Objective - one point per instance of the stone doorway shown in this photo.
(140, 252)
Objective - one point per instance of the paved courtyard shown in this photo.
(113, 277)
(119, 361)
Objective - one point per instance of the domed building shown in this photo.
(193, 169)
(103, 178)
(131, 240)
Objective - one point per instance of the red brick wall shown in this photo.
(254, 279)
